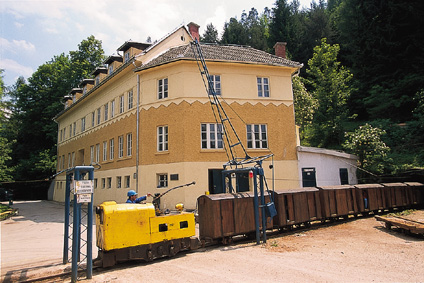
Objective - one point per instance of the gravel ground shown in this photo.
(357, 250)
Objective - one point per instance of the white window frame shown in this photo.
(99, 116)
(104, 150)
(162, 180)
(257, 136)
(216, 81)
(111, 148)
(70, 131)
(75, 129)
(112, 109)
(91, 154)
(103, 183)
(130, 99)
(211, 136)
(162, 138)
(109, 182)
(106, 111)
(83, 124)
(121, 104)
(163, 88)
(263, 87)
(97, 153)
(93, 118)
(129, 144)
(120, 146)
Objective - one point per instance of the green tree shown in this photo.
(383, 44)
(39, 100)
(305, 106)
(5, 150)
(210, 35)
(329, 83)
(366, 143)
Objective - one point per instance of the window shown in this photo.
(216, 82)
(60, 136)
(162, 88)
(263, 87)
(127, 57)
(162, 180)
(103, 183)
(111, 145)
(121, 104)
(83, 124)
(163, 138)
(127, 181)
(309, 177)
(93, 118)
(98, 116)
(211, 136)
(106, 113)
(97, 153)
(104, 150)
(97, 80)
(129, 144)
(84, 90)
(95, 183)
(256, 136)
(73, 159)
(120, 146)
(344, 176)
(110, 69)
(75, 128)
(70, 130)
(130, 99)
(69, 160)
(109, 182)
(91, 154)
(63, 161)
(118, 182)
(112, 108)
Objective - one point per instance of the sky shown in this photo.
(32, 32)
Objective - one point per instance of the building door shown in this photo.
(344, 176)
(309, 177)
(215, 181)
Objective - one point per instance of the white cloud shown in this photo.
(11, 66)
(16, 46)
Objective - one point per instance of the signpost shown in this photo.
(82, 191)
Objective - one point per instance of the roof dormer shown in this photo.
(86, 85)
(99, 74)
(76, 94)
(113, 62)
(132, 48)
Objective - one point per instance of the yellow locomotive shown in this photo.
(134, 231)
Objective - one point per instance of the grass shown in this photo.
(4, 208)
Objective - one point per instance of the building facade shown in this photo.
(147, 122)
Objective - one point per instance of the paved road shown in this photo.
(32, 241)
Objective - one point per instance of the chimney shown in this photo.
(280, 49)
(194, 30)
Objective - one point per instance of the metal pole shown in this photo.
(66, 228)
(261, 184)
(90, 232)
(256, 206)
(137, 157)
(75, 241)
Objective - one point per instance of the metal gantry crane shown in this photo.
(237, 165)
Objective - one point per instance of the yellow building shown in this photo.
(173, 138)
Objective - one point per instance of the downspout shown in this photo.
(137, 134)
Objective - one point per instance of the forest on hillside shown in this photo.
(361, 89)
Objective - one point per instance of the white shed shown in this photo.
(325, 167)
